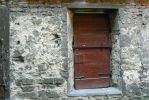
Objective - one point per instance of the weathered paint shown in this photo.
(91, 48)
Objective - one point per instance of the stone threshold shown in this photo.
(95, 92)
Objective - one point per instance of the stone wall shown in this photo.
(38, 54)
(4, 52)
(134, 57)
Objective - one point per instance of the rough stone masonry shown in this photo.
(38, 54)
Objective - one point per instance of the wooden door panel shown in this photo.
(91, 45)
(91, 21)
(92, 83)
(92, 70)
(91, 40)
(100, 56)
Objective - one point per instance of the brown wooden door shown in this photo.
(91, 51)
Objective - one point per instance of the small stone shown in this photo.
(124, 40)
(30, 95)
(47, 94)
(59, 81)
(41, 93)
(134, 89)
(64, 98)
(28, 67)
(80, 99)
(36, 33)
(48, 86)
(27, 88)
(52, 81)
(36, 21)
(47, 13)
(16, 53)
(52, 94)
(136, 98)
(43, 97)
(64, 74)
(125, 98)
(18, 82)
(26, 81)
(42, 67)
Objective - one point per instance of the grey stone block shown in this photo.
(36, 33)
(42, 67)
(25, 81)
(52, 94)
(47, 94)
(134, 89)
(31, 95)
(18, 82)
(41, 93)
(124, 40)
(43, 98)
(36, 21)
(125, 98)
(64, 74)
(136, 98)
(17, 53)
(145, 91)
(27, 88)
(48, 86)
(52, 81)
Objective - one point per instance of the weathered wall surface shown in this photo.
(38, 54)
(134, 50)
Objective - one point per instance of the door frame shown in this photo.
(70, 85)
